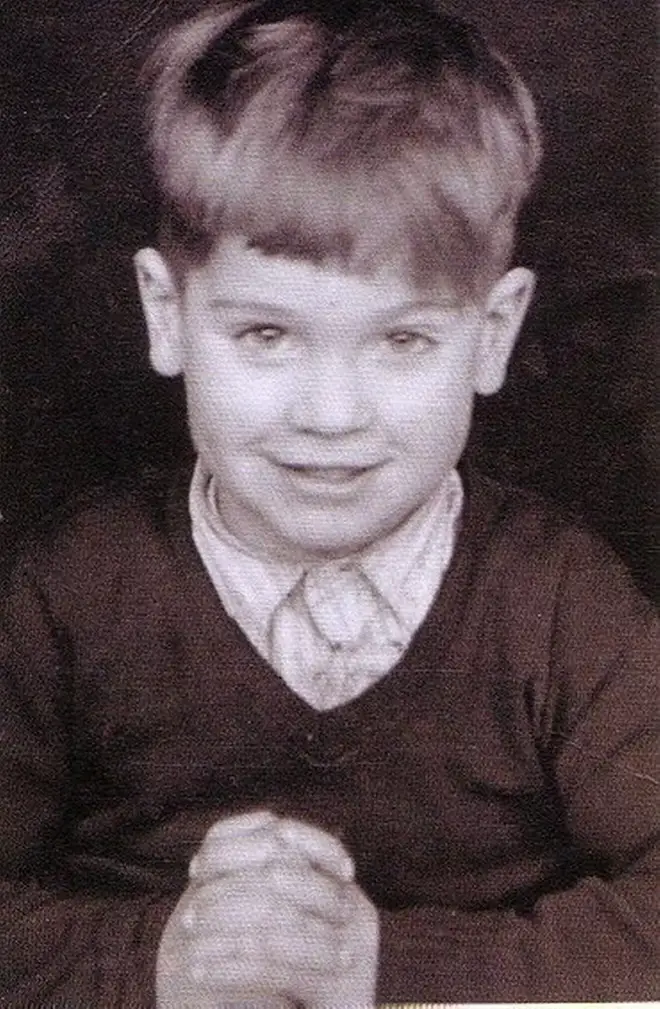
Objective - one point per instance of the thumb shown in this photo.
(324, 851)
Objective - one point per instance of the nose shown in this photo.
(331, 398)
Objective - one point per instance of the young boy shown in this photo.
(339, 720)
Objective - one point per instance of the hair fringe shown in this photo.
(325, 142)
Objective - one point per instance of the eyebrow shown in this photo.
(400, 311)
(252, 306)
(429, 305)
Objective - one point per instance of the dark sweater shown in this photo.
(497, 789)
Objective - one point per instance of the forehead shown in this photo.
(236, 273)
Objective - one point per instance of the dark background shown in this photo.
(579, 417)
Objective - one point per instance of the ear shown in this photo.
(506, 305)
(160, 304)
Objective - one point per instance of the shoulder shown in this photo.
(552, 576)
(529, 537)
(104, 539)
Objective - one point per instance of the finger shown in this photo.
(323, 850)
(236, 855)
(308, 891)
(242, 823)
(227, 847)
(270, 955)
(267, 897)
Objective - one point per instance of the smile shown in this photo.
(331, 474)
(327, 477)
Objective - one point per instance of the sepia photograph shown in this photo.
(329, 504)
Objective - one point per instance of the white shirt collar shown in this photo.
(406, 566)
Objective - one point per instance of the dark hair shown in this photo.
(366, 132)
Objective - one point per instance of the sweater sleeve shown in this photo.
(596, 940)
(57, 948)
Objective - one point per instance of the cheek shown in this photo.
(433, 420)
(231, 408)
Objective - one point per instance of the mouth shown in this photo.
(328, 476)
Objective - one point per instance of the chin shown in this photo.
(319, 547)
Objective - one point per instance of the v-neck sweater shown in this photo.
(402, 572)
(497, 789)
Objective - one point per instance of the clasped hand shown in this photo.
(271, 917)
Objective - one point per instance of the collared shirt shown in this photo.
(406, 568)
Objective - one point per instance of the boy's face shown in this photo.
(329, 406)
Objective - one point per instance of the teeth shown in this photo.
(334, 474)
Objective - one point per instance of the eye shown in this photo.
(409, 341)
(266, 337)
